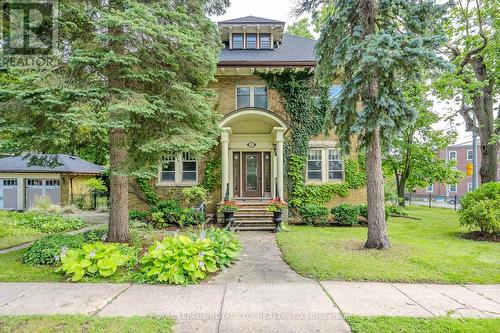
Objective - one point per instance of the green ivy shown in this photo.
(355, 175)
(213, 176)
(145, 186)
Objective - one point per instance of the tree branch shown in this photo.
(469, 122)
(469, 54)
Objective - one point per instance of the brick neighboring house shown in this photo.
(254, 124)
(462, 153)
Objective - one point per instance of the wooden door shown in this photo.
(252, 174)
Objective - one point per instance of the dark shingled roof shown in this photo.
(251, 20)
(292, 49)
(68, 164)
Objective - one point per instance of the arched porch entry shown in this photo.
(252, 154)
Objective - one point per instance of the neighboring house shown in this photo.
(22, 185)
(462, 154)
(254, 124)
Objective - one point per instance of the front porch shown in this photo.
(252, 154)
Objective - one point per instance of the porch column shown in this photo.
(224, 139)
(279, 137)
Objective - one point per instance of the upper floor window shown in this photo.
(265, 41)
(452, 155)
(179, 169)
(251, 41)
(251, 97)
(452, 188)
(237, 41)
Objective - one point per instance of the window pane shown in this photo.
(251, 41)
(260, 97)
(237, 41)
(189, 176)
(265, 41)
(469, 154)
(314, 165)
(188, 167)
(243, 97)
(314, 175)
(334, 174)
(333, 154)
(168, 169)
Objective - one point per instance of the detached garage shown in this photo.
(22, 185)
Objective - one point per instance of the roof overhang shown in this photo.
(309, 64)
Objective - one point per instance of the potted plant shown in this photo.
(228, 208)
(277, 206)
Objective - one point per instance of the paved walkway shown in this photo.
(254, 296)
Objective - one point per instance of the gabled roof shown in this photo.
(251, 20)
(293, 50)
(67, 164)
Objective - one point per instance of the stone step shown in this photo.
(259, 228)
(253, 214)
(254, 224)
(245, 221)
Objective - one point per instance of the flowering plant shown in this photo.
(229, 206)
(276, 205)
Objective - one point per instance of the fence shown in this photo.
(431, 200)
(90, 200)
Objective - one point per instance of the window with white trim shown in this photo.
(251, 41)
(334, 165)
(452, 155)
(264, 41)
(469, 187)
(324, 165)
(180, 169)
(251, 97)
(469, 155)
(237, 42)
(452, 188)
(429, 188)
(314, 165)
(34, 182)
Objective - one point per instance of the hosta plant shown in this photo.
(178, 260)
(95, 259)
(225, 245)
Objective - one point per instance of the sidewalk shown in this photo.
(263, 307)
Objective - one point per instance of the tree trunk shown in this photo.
(483, 109)
(377, 228)
(401, 191)
(118, 215)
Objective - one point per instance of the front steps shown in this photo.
(253, 216)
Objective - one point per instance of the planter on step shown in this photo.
(277, 219)
(229, 218)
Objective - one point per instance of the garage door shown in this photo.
(42, 188)
(8, 194)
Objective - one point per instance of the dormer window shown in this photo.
(265, 41)
(251, 41)
(237, 41)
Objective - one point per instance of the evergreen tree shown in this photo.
(134, 69)
(370, 44)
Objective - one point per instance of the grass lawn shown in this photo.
(428, 325)
(11, 241)
(81, 323)
(426, 250)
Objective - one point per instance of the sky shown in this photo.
(282, 10)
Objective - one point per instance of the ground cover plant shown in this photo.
(428, 325)
(17, 228)
(431, 249)
(83, 323)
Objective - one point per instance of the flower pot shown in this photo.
(277, 219)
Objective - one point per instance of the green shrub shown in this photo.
(480, 209)
(314, 214)
(141, 215)
(225, 245)
(95, 259)
(195, 195)
(395, 210)
(90, 236)
(47, 250)
(363, 211)
(171, 213)
(49, 223)
(178, 260)
(346, 214)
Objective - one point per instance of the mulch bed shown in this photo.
(479, 236)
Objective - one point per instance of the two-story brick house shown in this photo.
(254, 124)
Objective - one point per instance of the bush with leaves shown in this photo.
(346, 214)
(47, 250)
(395, 210)
(480, 209)
(314, 214)
(363, 211)
(90, 236)
(48, 223)
(195, 195)
(225, 245)
(95, 259)
(140, 215)
(178, 260)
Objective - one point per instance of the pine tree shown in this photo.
(134, 69)
(369, 44)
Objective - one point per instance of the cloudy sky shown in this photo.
(282, 10)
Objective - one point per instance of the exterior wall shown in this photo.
(73, 185)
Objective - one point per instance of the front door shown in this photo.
(252, 174)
